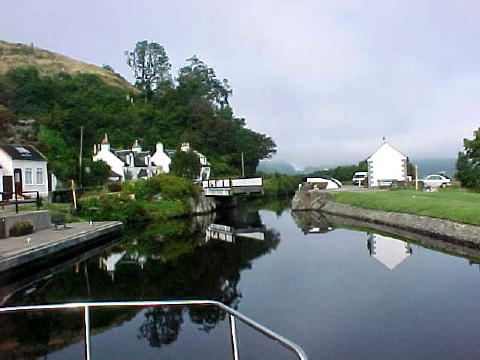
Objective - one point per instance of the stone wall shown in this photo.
(202, 204)
(464, 234)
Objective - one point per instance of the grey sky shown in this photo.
(326, 79)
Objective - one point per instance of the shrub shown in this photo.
(120, 208)
(281, 185)
(168, 186)
(114, 186)
(21, 228)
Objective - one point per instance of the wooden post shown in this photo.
(243, 167)
(416, 177)
(74, 195)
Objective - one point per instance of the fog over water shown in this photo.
(326, 79)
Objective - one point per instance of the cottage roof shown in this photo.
(386, 145)
(22, 152)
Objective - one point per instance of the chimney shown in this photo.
(159, 147)
(105, 146)
(136, 147)
(185, 147)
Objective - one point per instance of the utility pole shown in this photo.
(243, 167)
(416, 177)
(80, 157)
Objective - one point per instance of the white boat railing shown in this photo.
(232, 314)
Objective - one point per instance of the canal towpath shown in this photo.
(18, 251)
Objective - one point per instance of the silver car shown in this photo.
(437, 180)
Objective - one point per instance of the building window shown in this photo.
(28, 177)
(39, 176)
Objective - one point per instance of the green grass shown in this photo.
(453, 204)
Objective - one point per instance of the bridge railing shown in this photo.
(231, 183)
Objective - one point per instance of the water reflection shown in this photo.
(387, 250)
(172, 260)
(223, 258)
(311, 222)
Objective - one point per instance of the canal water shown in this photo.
(340, 293)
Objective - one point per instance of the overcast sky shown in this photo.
(325, 79)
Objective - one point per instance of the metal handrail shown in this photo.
(16, 201)
(233, 315)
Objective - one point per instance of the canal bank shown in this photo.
(450, 231)
(18, 254)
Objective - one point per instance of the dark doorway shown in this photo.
(17, 177)
(8, 186)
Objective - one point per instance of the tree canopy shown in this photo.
(468, 163)
(191, 107)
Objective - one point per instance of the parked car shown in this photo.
(437, 180)
(359, 177)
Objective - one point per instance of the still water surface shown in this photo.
(338, 293)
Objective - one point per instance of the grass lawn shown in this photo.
(452, 204)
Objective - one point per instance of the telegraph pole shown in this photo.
(80, 157)
(243, 167)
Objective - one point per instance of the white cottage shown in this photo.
(24, 168)
(388, 251)
(386, 165)
(204, 164)
(1, 180)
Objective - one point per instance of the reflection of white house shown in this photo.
(23, 168)
(390, 252)
(111, 262)
(136, 163)
(386, 164)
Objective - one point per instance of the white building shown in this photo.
(1, 180)
(133, 163)
(24, 168)
(204, 164)
(388, 251)
(385, 165)
(136, 163)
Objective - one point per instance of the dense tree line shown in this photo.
(468, 163)
(190, 107)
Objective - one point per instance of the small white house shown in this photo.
(24, 168)
(136, 163)
(386, 165)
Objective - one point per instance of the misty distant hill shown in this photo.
(425, 167)
(434, 166)
(274, 166)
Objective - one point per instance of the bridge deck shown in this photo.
(232, 187)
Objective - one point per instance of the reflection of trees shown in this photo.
(176, 267)
(161, 325)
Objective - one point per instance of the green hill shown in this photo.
(49, 63)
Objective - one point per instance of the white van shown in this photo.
(359, 177)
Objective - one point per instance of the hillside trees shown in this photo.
(468, 163)
(150, 65)
(193, 107)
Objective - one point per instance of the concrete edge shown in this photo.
(454, 232)
(38, 252)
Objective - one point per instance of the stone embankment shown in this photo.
(458, 233)
(202, 204)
